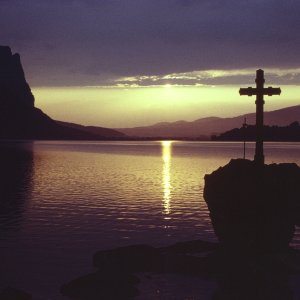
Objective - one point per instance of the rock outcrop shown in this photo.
(238, 276)
(14, 90)
(254, 207)
(118, 269)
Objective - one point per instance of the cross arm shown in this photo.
(272, 91)
(248, 91)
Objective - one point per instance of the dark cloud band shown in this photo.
(94, 42)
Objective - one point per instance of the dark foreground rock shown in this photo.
(102, 285)
(248, 277)
(254, 208)
(181, 257)
(10, 293)
(117, 268)
(239, 275)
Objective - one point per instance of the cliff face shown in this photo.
(19, 119)
(14, 90)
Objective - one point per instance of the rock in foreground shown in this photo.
(117, 268)
(254, 207)
(100, 285)
(10, 293)
(237, 274)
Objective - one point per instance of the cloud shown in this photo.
(212, 78)
(77, 42)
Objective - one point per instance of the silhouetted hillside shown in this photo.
(94, 130)
(32, 123)
(19, 119)
(212, 125)
(271, 133)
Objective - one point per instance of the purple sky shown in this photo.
(94, 42)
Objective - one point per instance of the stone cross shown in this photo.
(259, 91)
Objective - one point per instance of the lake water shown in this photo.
(63, 201)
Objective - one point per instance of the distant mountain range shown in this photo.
(206, 127)
(94, 130)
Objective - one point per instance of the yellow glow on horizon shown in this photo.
(142, 106)
(166, 174)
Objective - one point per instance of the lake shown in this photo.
(63, 201)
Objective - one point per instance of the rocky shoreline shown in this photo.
(238, 275)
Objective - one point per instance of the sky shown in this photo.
(124, 63)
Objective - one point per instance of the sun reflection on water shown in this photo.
(166, 175)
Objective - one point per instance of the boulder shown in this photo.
(254, 207)
(238, 274)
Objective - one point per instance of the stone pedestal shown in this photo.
(254, 207)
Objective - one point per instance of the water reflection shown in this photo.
(16, 182)
(166, 175)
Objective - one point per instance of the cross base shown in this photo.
(259, 159)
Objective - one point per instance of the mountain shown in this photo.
(19, 119)
(33, 124)
(205, 127)
(94, 130)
